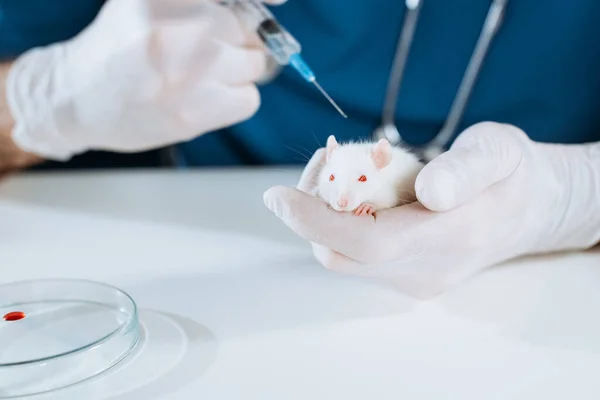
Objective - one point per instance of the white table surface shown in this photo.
(253, 316)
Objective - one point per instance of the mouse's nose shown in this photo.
(342, 201)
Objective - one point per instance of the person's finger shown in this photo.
(411, 276)
(238, 66)
(236, 25)
(310, 175)
(211, 19)
(337, 262)
(230, 105)
(334, 261)
(216, 60)
(392, 234)
(313, 220)
(481, 156)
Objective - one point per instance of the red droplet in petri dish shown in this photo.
(14, 316)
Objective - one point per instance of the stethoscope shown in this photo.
(435, 147)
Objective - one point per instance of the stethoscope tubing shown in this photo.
(388, 128)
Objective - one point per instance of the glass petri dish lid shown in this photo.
(56, 333)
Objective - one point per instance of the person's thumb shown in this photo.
(481, 156)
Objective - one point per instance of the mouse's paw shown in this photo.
(365, 209)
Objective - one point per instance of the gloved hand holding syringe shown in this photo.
(143, 75)
(284, 48)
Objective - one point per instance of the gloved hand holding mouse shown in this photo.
(144, 74)
(495, 195)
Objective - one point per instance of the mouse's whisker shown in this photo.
(317, 140)
(307, 150)
(305, 157)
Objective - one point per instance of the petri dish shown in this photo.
(56, 333)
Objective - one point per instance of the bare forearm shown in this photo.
(6, 121)
(12, 158)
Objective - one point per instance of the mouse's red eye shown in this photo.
(331, 177)
(362, 178)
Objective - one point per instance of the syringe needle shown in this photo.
(329, 98)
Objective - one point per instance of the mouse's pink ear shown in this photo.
(332, 144)
(382, 153)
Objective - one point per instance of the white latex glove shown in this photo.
(495, 195)
(144, 74)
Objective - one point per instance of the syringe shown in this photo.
(284, 48)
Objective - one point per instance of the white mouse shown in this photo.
(364, 177)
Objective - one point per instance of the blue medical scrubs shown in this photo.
(30, 23)
(542, 73)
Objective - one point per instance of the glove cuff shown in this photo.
(592, 180)
(36, 91)
(579, 168)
